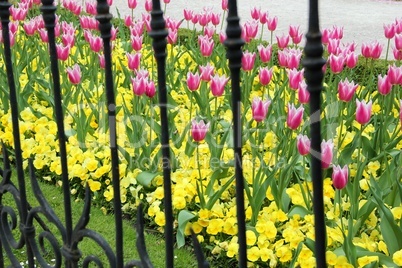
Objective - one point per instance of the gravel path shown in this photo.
(362, 20)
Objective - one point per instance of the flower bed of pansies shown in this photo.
(361, 126)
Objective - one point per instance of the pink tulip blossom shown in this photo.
(247, 61)
(265, 75)
(384, 85)
(139, 84)
(302, 93)
(206, 44)
(148, 5)
(133, 60)
(389, 30)
(206, 72)
(295, 116)
(95, 43)
(265, 52)
(259, 109)
(255, 13)
(327, 148)
(90, 7)
(282, 41)
(398, 41)
(150, 89)
(295, 34)
(136, 42)
(303, 144)
(397, 54)
(394, 74)
(295, 77)
(199, 130)
(74, 74)
(193, 81)
(224, 4)
(346, 90)
(62, 52)
(272, 23)
(371, 50)
(218, 84)
(188, 14)
(336, 63)
(250, 29)
(351, 60)
(340, 176)
(101, 59)
(363, 111)
(132, 4)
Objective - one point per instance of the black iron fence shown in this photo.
(66, 252)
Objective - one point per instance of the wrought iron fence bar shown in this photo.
(314, 75)
(48, 12)
(234, 42)
(5, 19)
(105, 27)
(159, 34)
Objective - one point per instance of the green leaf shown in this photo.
(390, 230)
(383, 259)
(145, 179)
(218, 174)
(218, 194)
(184, 217)
(298, 210)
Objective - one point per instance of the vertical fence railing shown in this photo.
(313, 63)
(72, 235)
(234, 44)
(159, 34)
(23, 204)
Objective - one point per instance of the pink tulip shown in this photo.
(30, 27)
(371, 50)
(384, 85)
(295, 77)
(346, 90)
(101, 59)
(336, 32)
(148, 5)
(302, 93)
(295, 116)
(255, 13)
(325, 36)
(136, 42)
(132, 4)
(222, 37)
(389, 30)
(282, 41)
(363, 111)
(398, 41)
(193, 81)
(74, 74)
(265, 75)
(397, 54)
(218, 84)
(199, 130)
(351, 60)
(62, 52)
(133, 60)
(333, 46)
(394, 74)
(139, 85)
(188, 14)
(90, 8)
(206, 72)
(263, 17)
(206, 45)
(272, 23)
(43, 35)
(95, 43)
(215, 19)
(247, 61)
(283, 58)
(303, 144)
(336, 63)
(18, 13)
(172, 36)
(150, 89)
(340, 176)
(265, 53)
(204, 18)
(327, 148)
(293, 58)
(295, 34)
(250, 30)
(224, 4)
(209, 31)
(259, 109)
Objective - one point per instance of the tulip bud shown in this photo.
(340, 176)
(303, 144)
(199, 130)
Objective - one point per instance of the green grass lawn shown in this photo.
(104, 225)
